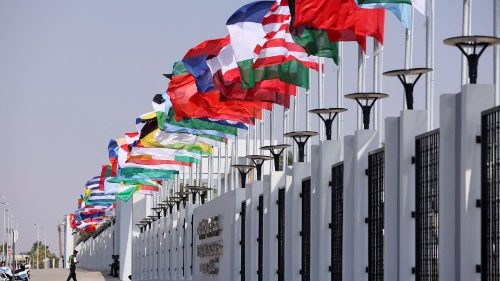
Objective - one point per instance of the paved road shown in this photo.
(62, 274)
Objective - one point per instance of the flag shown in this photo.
(188, 103)
(227, 79)
(133, 173)
(245, 31)
(317, 43)
(278, 46)
(400, 8)
(343, 20)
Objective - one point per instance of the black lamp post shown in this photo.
(177, 200)
(369, 100)
(404, 75)
(301, 138)
(146, 222)
(244, 170)
(464, 43)
(328, 115)
(170, 204)
(164, 208)
(201, 190)
(158, 211)
(258, 161)
(184, 195)
(276, 151)
(140, 225)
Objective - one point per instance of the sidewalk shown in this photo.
(62, 274)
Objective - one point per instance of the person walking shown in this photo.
(72, 266)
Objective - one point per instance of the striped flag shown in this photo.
(278, 46)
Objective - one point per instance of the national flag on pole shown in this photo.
(213, 63)
(189, 103)
(278, 46)
(343, 20)
(275, 60)
(400, 8)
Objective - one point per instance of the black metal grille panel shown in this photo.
(490, 194)
(337, 185)
(243, 216)
(260, 267)
(376, 215)
(306, 230)
(281, 235)
(427, 206)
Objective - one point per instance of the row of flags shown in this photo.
(223, 85)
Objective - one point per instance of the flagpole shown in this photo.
(218, 193)
(466, 31)
(255, 138)
(226, 167)
(361, 80)
(261, 133)
(200, 178)
(340, 91)
(308, 118)
(294, 123)
(321, 93)
(210, 176)
(191, 175)
(429, 97)
(271, 122)
(378, 65)
(496, 19)
(408, 50)
(283, 140)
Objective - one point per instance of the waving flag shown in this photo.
(189, 103)
(342, 19)
(400, 8)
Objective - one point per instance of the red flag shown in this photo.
(343, 19)
(187, 102)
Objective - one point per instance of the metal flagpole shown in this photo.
(255, 149)
(226, 167)
(218, 169)
(321, 81)
(191, 175)
(496, 19)
(378, 65)
(210, 174)
(408, 50)
(271, 123)
(308, 118)
(340, 91)
(200, 178)
(247, 140)
(295, 123)
(283, 140)
(261, 133)
(361, 81)
(466, 31)
(429, 83)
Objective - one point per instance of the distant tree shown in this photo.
(41, 255)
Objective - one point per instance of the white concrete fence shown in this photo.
(288, 223)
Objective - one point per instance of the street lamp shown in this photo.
(37, 244)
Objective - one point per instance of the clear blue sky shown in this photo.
(74, 74)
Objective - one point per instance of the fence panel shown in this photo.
(427, 206)
(376, 215)
(337, 184)
(490, 195)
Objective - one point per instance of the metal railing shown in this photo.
(305, 232)
(337, 185)
(427, 206)
(490, 194)
(376, 215)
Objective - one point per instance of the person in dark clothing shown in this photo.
(115, 266)
(72, 266)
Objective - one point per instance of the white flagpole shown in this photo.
(295, 123)
(247, 140)
(378, 65)
(408, 50)
(429, 83)
(218, 193)
(255, 148)
(466, 30)
(496, 19)
(284, 140)
(321, 81)
(191, 175)
(271, 125)
(210, 176)
(361, 81)
(200, 178)
(226, 167)
(308, 118)
(340, 92)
